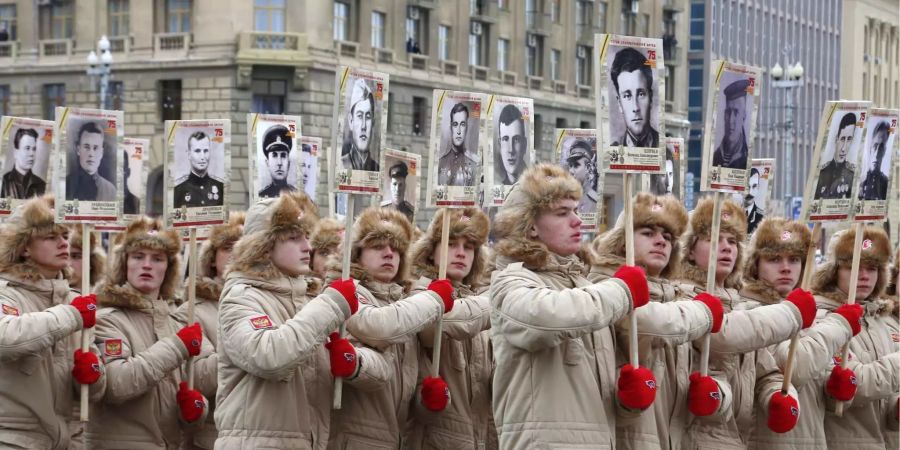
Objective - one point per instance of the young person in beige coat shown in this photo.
(722, 403)
(666, 327)
(466, 357)
(388, 322)
(555, 378)
(275, 376)
(147, 401)
(97, 260)
(41, 321)
(871, 379)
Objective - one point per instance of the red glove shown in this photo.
(783, 413)
(435, 394)
(86, 369)
(637, 387)
(444, 289)
(190, 402)
(87, 307)
(191, 336)
(348, 289)
(841, 384)
(342, 355)
(853, 313)
(806, 303)
(703, 395)
(636, 280)
(715, 306)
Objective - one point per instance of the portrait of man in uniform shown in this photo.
(20, 182)
(632, 81)
(360, 151)
(198, 188)
(662, 183)
(131, 204)
(457, 166)
(875, 184)
(581, 162)
(732, 151)
(398, 173)
(836, 177)
(755, 214)
(308, 170)
(84, 181)
(511, 146)
(276, 147)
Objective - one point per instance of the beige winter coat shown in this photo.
(467, 367)
(39, 333)
(143, 357)
(555, 376)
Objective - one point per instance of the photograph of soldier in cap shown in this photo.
(580, 159)
(634, 123)
(458, 161)
(397, 175)
(202, 163)
(27, 162)
(875, 184)
(752, 198)
(276, 148)
(360, 149)
(510, 146)
(836, 177)
(92, 162)
(733, 124)
(309, 168)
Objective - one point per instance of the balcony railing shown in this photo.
(508, 78)
(55, 47)
(172, 42)
(450, 68)
(418, 61)
(346, 49)
(535, 83)
(9, 49)
(120, 44)
(559, 87)
(479, 73)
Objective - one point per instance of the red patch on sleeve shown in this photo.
(112, 347)
(261, 322)
(10, 311)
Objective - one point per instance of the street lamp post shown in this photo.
(787, 80)
(102, 70)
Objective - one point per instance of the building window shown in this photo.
(643, 26)
(418, 116)
(178, 16)
(555, 57)
(478, 33)
(443, 42)
(583, 65)
(584, 14)
(416, 30)
(561, 122)
(538, 130)
(170, 99)
(378, 20)
(118, 17)
(54, 95)
(601, 17)
(115, 95)
(341, 21)
(268, 96)
(502, 54)
(503, 4)
(4, 100)
(56, 20)
(555, 10)
(670, 87)
(8, 21)
(534, 56)
(532, 13)
(268, 15)
(584, 125)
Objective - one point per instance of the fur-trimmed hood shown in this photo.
(97, 257)
(221, 236)
(334, 268)
(761, 292)
(733, 220)
(875, 252)
(327, 235)
(468, 223)
(538, 189)
(378, 226)
(35, 218)
(265, 223)
(124, 296)
(149, 234)
(776, 236)
(208, 289)
(309, 207)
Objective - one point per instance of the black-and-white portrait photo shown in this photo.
(458, 162)
(579, 157)
(754, 199)
(134, 157)
(26, 163)
(199, 168)
(876, 160)
(664, 183)
(838, 161)
(510, 145)
(734, 114)
(361, 146)
(309, 168)
(132, 204)
(92, 161)
(401, 188)
(275, 173)
(633, 97)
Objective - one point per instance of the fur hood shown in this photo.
(221, 236)
(265, 223)
(733, 221)
(208, 289)
(761, 292)
(892, 284)
(649, 211)
(124, 296)
(538, 189)
(150, 234)
(327, 235)
(375, 227)
(875, 252)
(97, 257)
(334, 268)
(777, 236)
(309, 207)
(468, 223)
(35, 218)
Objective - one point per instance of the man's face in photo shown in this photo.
(398, 190)
(279, 164)
(198, 154)
(670, 175)
(26, 153)
(876, 151)
(734, 120)
(752, 190)
(842, 146)
(512, 145)
(634, 101)
(90, 151)
(459, 122)
(361, 125)
(305, 167)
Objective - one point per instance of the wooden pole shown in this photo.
(711, 273)
(442, 274)
(808, 270)
(345, 274)
(192, 295)
(85, 290)
(851, 299)
(629, 260)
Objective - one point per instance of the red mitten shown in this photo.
(637, 387)
(87, 307)
(636, 280)
(444, 289)
(715, 306)
(191, 336)
(348, 289)
(783, 413)
(86, 369)
(853, 313)
(435, 394)
(703, 395)
(841, 384)
(806, 303)
(342, 355)
(190, 402)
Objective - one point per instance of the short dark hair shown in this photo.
(847, 120)
(23, 132)
(306, 148)
(882, 128)
(459, 107)
(629, 60)
(753, 171)
(510, 114)
(197, 135)
(87, 127)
